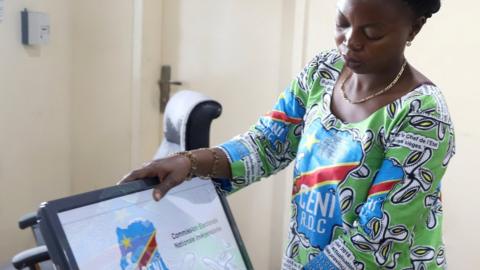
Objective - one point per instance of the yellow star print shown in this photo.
(311, 140)
(126, 242)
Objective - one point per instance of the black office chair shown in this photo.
(37, 257)
(33, 258)
(186, 123)
(187, 120)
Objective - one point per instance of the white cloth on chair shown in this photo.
(175, 119)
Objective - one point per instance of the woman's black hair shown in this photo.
(424, 7)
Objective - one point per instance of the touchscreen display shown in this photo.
(187, 229)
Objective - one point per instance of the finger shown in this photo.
(157, 194)
(165, 185)
(138, 174)
(145, 164)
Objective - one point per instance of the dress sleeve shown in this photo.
(399, 225)
(271, 144)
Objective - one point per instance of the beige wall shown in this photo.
(101, 92)
(445, 51)
(116, 64)
(34, 119)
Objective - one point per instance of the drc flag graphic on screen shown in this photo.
(139, 248)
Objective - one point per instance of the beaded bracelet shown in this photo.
(213, 170)
(194, 163)
(216, 159)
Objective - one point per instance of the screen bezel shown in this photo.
(56, 240)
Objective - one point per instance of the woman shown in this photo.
(371, 138)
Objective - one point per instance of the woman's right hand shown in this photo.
(171, 171)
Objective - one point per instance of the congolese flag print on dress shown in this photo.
(366, 195)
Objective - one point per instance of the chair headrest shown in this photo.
(175, 121)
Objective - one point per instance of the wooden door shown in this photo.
(239, 53)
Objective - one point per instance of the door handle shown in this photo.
(164, 84)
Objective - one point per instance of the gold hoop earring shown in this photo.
(409, 43)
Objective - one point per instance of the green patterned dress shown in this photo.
(366, 195)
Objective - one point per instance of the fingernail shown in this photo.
(157, 195)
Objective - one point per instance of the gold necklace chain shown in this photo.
(377, 93)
